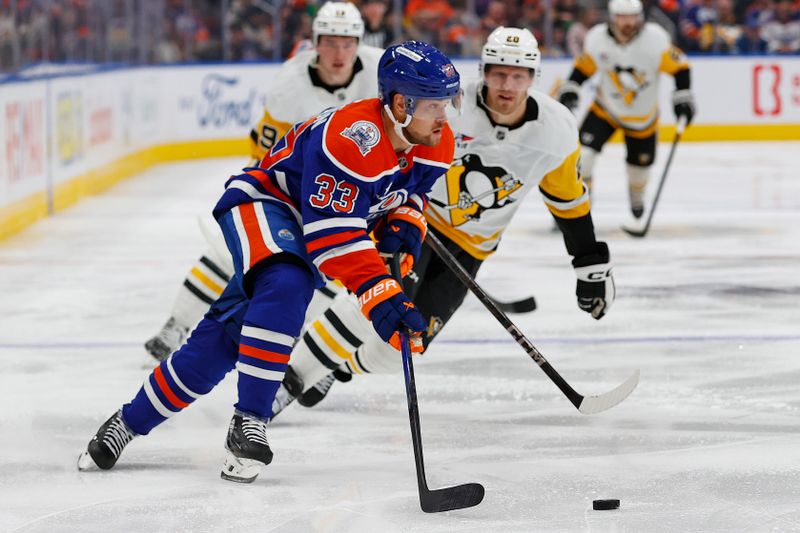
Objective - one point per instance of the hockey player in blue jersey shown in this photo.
(304, 214)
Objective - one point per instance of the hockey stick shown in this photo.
(436, 500)
(526, 305)
(642, 232)
(585, 404)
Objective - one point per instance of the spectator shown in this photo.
(697, 28)
(533, 18)
(727, 30)
(577, 32)
(782, 33)
(377, 31)
(428, 19)
(750, 42)
(496, 16)
(242, 47)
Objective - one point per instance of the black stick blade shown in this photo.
(519, 306)
(635, 232)
(450, 498)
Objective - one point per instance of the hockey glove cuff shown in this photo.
(568, 94)
(595, 289)
(404, 232)
(683, 104)
(383, 302)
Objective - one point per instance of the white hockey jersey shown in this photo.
(294, 96)
(495, 167)
(628, 74)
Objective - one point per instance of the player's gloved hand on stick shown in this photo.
(568, 94)
(595, 288)
(683, 104)
(383, 302)
(404, 232)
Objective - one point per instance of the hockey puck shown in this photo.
(605, 505)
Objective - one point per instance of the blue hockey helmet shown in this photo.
(417, 70)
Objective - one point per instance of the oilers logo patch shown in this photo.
(285, 234)
(364, 134)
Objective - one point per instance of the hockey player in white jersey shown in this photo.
(509, 141)
(337, 71)
(628, 56)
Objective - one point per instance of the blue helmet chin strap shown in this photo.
(398, 126)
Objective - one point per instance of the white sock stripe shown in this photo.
(177, 380)
(243, 242)
(260, 373)
(266, 232)
(267, 335)
(151, 395)
(564, 205)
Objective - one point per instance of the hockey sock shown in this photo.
(281, 294)
(203, 285)
(174, 384)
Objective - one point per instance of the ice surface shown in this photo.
(707, 308)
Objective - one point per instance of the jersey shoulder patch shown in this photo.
(354, 140)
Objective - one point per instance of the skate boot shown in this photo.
(248, 449)
(106, 446)
(291, 387)
(317, 393)
(167, 340)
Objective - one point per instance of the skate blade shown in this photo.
(85, 462)
(240, 470)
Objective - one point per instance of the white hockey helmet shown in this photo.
(338, 18)
(625, 7)
(513, 47)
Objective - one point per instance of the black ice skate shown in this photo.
(106, 446)
(248, 449)
(317, 393)
(167, 340)
(291, 387)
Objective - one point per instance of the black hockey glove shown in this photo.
(683, 103)
(568, 94)
(595, 288)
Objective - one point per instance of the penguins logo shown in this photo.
(473, 188)
(628, 82)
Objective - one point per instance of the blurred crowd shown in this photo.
(169, 31)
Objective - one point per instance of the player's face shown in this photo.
(336, 56)
(507, 87)
(626, 26)
(428, 122)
